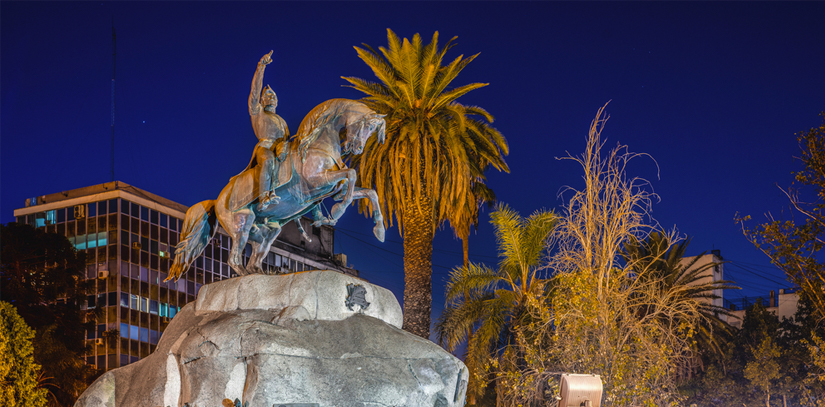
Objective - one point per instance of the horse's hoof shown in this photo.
(325, 221)
(378, 231)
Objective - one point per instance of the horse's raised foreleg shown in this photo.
(332, 178)
(242, 221)
(366, 193)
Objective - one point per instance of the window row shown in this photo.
(135, 302)
(140, 334)
(100, 210)
(144, 304)
(156, 278)
(70, 213)
(147, 230)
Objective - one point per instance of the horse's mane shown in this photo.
(323, 114)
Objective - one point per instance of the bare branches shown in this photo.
(628, 320)
(610, 209)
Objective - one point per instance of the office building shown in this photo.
(129, 236)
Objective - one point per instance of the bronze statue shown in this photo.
(272, 133)
(311, 170)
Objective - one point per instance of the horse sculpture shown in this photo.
(312, 171)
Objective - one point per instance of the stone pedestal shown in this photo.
(316, 338)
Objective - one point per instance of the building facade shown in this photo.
(129, 235)
(714, 272)
(784, 305)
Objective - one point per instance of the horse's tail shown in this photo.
(199, 227)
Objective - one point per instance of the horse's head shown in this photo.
(360, 130)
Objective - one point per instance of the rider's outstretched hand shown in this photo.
(266, 59)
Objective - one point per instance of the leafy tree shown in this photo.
(763, 368)
(43, 276)
(812, 391)
(436, 148)
(796, 247)
(485, 304)
(18, 372)
(631, 324)
(767, 362)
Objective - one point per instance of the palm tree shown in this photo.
(464, 219)
(657, 262)
(434, 151)
(484, 305)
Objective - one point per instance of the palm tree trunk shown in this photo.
(418, 256)
(465, 246)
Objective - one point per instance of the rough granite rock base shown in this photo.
(289, 340)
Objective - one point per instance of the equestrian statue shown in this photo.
(284, 180)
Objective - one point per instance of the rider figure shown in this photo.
(271, 130)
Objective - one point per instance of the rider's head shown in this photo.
(268, 98)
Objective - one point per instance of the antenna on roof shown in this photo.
(114, 60)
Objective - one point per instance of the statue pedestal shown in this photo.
(316, 338)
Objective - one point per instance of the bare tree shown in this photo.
(602, 315)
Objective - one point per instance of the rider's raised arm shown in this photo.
(257, 85)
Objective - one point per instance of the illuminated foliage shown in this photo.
(485, 306)
(632, 316)
(630, 322)
(763, 369)
(767, 362)
(18, 372)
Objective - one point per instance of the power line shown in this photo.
(759, 274)
(434, 249)
(434, 265)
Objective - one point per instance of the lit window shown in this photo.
(40, 219)
(51, 217)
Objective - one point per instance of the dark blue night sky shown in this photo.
(714, 92)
